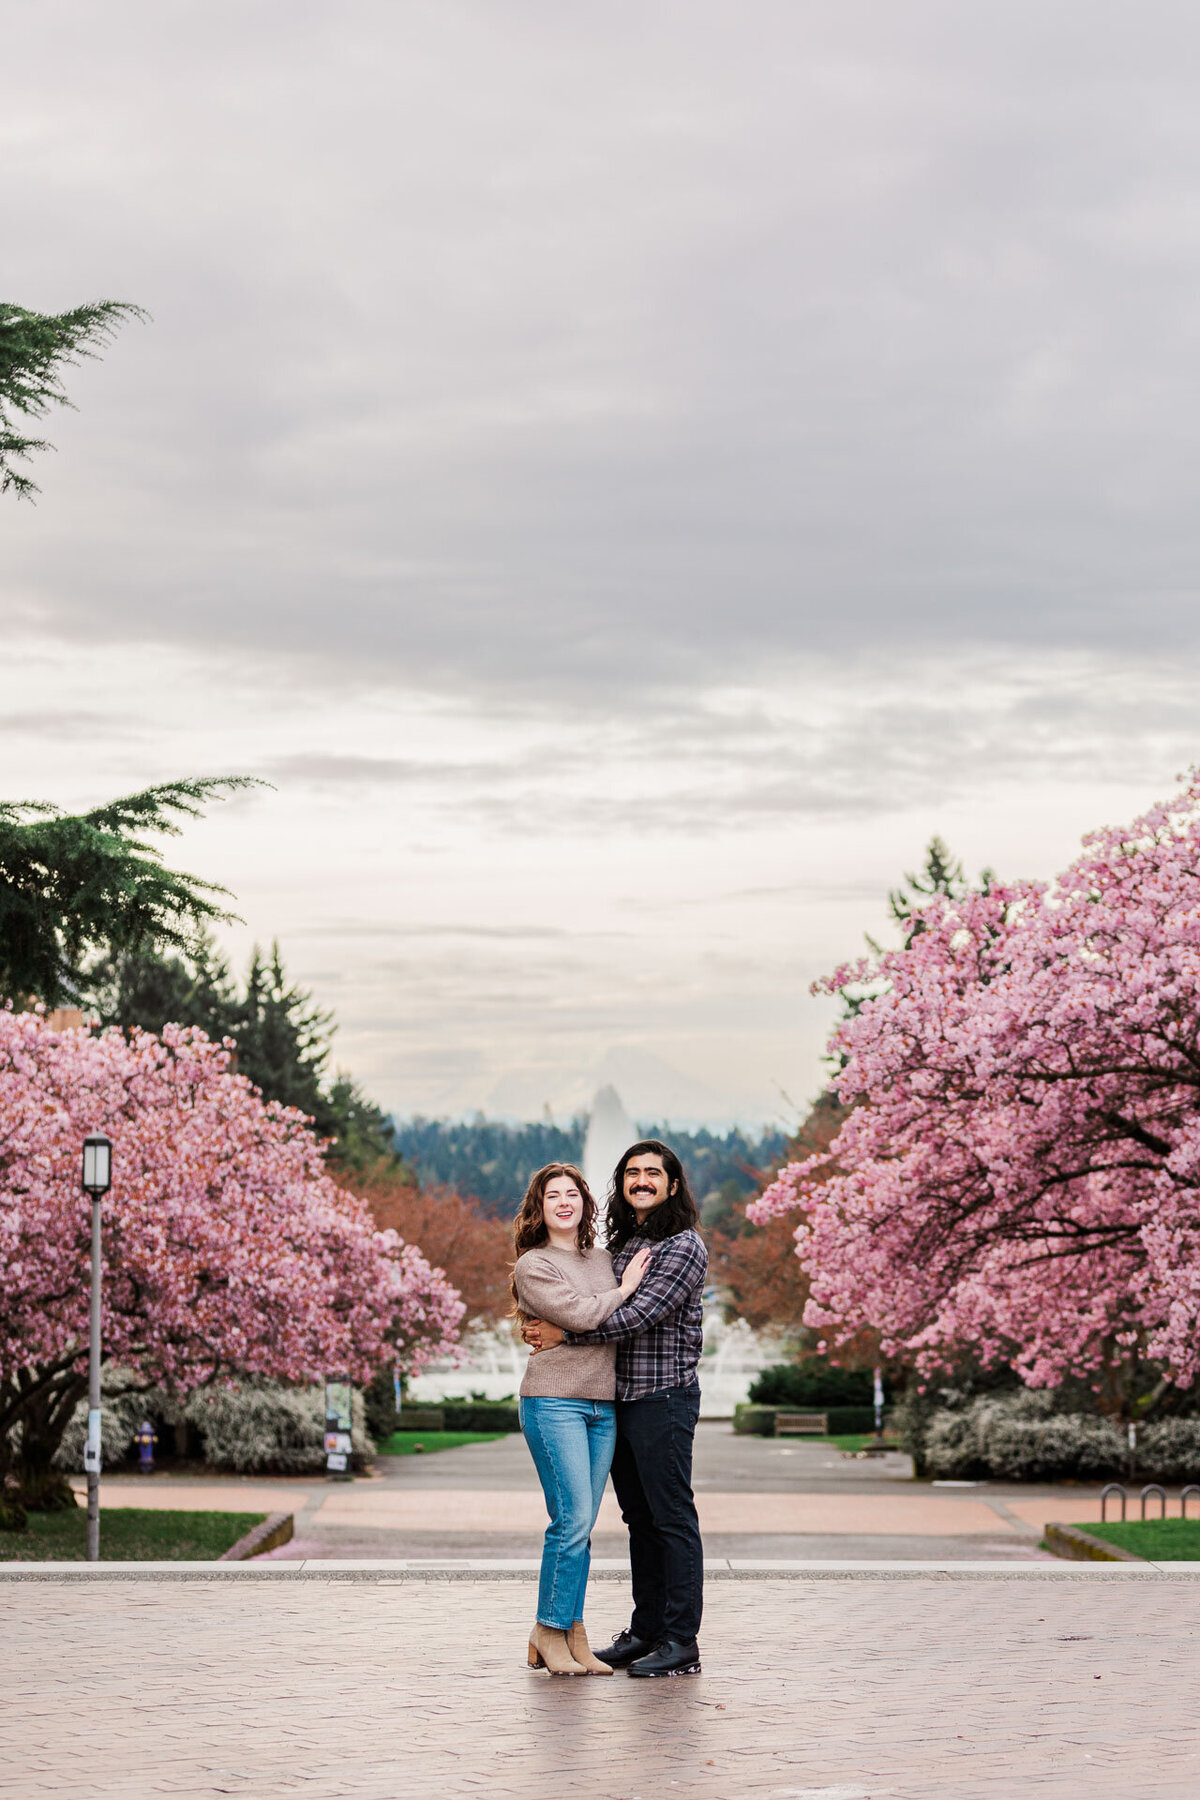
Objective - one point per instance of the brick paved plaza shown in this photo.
(998, 1672)
(276, 1682)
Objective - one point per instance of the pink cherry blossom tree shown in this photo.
(1020, 1171)
(228, 1250)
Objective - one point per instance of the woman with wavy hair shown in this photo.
(567, 1411)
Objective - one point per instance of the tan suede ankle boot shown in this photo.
(548, 1650)
(581, 1650)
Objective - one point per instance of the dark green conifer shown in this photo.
(34, 349)
(77, 886)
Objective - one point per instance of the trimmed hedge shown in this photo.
(843, 1421)
(754, 1421)
(848, 1421)
(481, 1415)
(811, 1385)
(417, 1418)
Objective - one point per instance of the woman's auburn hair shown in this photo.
(529, 1226)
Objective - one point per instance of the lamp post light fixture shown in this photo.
(96, 1181)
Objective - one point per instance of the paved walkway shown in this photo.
(757, 1498)
(1063, 1682)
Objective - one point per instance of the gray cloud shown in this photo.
(73, 725)
(348, 930)
(843, 744)
(633, 346)
(768, 428)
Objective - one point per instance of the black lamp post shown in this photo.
(97, 1179)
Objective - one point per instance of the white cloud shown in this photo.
(504, 896)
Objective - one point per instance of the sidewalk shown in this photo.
(757, 1498)
(977, 1686)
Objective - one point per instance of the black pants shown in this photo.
(652, 1476)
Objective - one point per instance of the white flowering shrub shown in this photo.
(256, 1428)
(120, 1416)
(1169, 1449)
(951, 1446)
(1073, 1444)
(263, 1426)
(1020, 1437)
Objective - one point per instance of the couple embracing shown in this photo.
(611, 1385)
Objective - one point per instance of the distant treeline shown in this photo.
(493, 1161)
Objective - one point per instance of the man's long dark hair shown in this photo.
(677, 1213)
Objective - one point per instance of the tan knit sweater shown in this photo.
(577, 1290)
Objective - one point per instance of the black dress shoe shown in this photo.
(624, 1649)
(669, 1658)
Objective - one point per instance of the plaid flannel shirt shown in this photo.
(658, 1329)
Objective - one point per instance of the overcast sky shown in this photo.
(627, 474)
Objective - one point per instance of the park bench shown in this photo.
(801, 1424)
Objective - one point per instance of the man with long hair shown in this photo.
(658, 1337)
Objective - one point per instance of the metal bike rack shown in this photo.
(1152, 1489)
(1114, 1487)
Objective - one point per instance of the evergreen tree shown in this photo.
(146, 989)
(365, 1138)
(283, 1038)
(943, 874)
(492, 1161)
(74, 886)
(34, 348)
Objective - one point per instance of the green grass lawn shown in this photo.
(409, 1443)
(1158, 1540)
(128, 1534)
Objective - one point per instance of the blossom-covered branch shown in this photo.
(1020, 1170)
(228, 1250)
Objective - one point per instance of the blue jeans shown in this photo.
(571, 1442)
